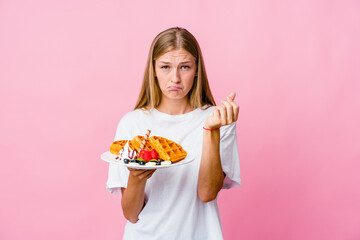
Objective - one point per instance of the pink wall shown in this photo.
(71, 69)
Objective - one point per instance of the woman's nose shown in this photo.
(175, 78)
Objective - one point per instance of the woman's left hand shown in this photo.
(223, 115)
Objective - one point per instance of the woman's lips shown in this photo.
(174, 88)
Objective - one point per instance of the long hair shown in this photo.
(174, 38)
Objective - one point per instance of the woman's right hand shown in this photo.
(140, 175)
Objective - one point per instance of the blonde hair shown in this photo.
(174, 38)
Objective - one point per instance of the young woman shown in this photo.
(175, 102)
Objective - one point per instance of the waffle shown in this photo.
(116, 146)
(167, 149)
(137, 140)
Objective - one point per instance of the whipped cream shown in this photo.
(127, 153)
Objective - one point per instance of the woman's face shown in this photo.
(175, 72)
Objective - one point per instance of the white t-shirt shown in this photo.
(173, 209)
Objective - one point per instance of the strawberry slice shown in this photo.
(141, 154)
(146, 155)
(154, 154)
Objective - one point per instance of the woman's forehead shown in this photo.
(176, 55)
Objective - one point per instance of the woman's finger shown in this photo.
(229, 112)
(231, 96)
(223, 117)
(216, 113)
(145, 174)
(135, 172)
(132, 170)
(235, 108)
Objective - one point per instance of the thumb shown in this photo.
(232, 96)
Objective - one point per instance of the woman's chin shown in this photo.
(174, 96)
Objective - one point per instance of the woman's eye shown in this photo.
(165, 67)
(185, 67)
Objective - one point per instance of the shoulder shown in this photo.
(127, 121)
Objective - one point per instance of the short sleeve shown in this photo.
(229, 155)
(118, 175)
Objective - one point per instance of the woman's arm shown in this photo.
(133, 197)
(211, 175)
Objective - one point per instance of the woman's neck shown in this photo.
(174, 107)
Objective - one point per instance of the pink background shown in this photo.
(71, 69)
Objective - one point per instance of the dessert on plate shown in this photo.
(142, 150)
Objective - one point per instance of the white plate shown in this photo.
(109, 157)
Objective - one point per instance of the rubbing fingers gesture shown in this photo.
(225, 114)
